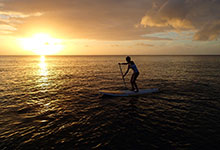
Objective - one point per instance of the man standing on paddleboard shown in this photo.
(131, 65)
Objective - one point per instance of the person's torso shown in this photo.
(133, 67)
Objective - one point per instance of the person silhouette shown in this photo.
(131, 65)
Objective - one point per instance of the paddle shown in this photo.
(122, 75)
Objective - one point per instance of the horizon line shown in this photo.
(127, 55)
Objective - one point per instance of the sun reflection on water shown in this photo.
(43, 67)
(43, 72)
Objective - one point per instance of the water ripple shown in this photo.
(55, 104)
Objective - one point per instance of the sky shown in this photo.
(110, 27)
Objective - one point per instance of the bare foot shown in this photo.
(136, 90)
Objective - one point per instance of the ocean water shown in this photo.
(53, 102)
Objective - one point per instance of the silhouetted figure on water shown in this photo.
(131, 65)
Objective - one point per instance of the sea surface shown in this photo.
(53, 102)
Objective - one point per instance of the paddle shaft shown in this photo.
(122, 76)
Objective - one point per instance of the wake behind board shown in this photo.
(128, 92)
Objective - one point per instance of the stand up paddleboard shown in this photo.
(128, 92)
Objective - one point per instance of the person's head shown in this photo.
(128, 59)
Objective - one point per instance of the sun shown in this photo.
(42, 44)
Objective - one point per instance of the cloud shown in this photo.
(112, 19)
(202, 16)
(115, 45)
(155, 38)
(210, 31)
(9, 21)
(82, 19)
(6, 29)
(144, 45)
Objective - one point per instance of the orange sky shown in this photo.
(87, 27)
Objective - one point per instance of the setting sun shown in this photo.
(42, 44)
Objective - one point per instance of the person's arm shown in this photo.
(122, 63)
(126, 71)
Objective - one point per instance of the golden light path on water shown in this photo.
(43, 85)
(43, 72)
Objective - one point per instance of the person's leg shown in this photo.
(132, 82)
(135, 85)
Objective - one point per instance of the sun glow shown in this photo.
(42, 44)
